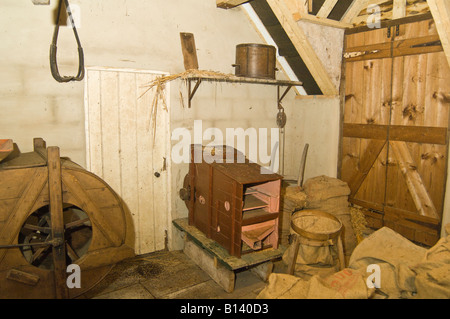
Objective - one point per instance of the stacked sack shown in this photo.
(331, 195)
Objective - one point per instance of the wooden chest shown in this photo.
(236, 204)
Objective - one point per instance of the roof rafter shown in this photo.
(353, 10)
(440, 9)
(326, 8)
(227, 4)
(303, 47)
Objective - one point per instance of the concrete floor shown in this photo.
(169, 275)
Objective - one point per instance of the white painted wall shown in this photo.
(328, 43)
(144, 35)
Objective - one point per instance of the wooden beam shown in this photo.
(354, 10)
(414, 182)
(386, 12)
(189, 51)
(365, 165)
(360, 21)
(326, 8)
(310, 6)
(413, 134)
(228, 4)
(23, 277)
(28, 197)
(221, 275)
(440, 9)
(303, 47)
(322, 21)
(56, 215)
(74, 186)
(399, 9)
(297, 6)
(299, 10)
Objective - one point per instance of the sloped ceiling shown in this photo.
(349, 12)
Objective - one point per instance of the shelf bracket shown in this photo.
(280, 99)
(193, 91)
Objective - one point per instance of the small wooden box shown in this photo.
(236, 204)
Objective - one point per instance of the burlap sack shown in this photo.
(323, 187)
(346, 284)
(310, 255)
(395, 255)
(406, 271)
(433, 273)
(330, 195)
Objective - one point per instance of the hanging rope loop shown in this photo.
(53, 48)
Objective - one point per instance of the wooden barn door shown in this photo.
(401, 173)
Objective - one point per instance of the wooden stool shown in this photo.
(316, 239)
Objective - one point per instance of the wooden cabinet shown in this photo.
(394, 145)
(236, 204)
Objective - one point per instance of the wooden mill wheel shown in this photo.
(54, 213)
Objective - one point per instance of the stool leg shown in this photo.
(291, 267)
(341, 253)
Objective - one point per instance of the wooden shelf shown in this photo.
(229, 78)
(254, 237)
(252, 202)
(257, 216)
(246, 80)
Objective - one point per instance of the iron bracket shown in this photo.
(193, 91)
(280, 98)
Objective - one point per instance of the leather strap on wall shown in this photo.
(53, 49)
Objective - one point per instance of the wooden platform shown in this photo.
(218, 263)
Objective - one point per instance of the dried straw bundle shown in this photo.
(160, 82)
(359, 223)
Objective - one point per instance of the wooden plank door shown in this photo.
(366, 116)
(123, 150)
(418, 140)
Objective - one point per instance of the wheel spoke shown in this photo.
(38, 253)
(46, 230)
(77, 223)
(71, 252)
(40, 250)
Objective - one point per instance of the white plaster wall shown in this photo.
(115, 33)
(314, 121)
(140, 34)
(328, 43)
